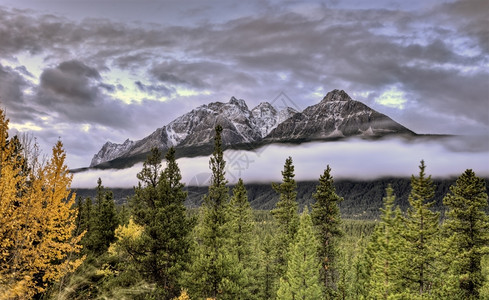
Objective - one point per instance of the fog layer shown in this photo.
(349, 159)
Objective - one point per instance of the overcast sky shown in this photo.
(92, 71)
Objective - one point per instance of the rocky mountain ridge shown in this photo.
(335, 116)
(196, 128)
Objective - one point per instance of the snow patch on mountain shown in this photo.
(336, 115)
(267, 117)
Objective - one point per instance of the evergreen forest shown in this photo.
(55, 245)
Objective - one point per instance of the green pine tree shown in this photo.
(107, 218)
(100, 220)
(146, 195)
(420, 237)
(85, 211)
(241, 227)
(467, 232)
(285, 215)
(215, 270)
(302, 279)
(266, 273)
(385, 279)
(326, 218)
(159, 208)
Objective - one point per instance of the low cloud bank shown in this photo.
(352, 159)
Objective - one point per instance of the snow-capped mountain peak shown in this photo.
(336, 95)
(111, 151)
(335, 116)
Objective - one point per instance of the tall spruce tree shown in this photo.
(420, 237)
(101, 220)
(285, 215)
(302, 280)
(266, 275)
(326, 218)
(385, 279)
(159, 208)
(241, 225)
(214, 272)
(467, 232)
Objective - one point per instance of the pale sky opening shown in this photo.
(393, 98)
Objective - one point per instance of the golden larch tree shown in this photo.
(37, 221)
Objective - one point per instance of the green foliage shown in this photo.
(241, 226)
(235, 252)
(241, 222)
(467, 234)
(215, 269)
(159, 208)
(266, 277)
(105, 220)
(326, 218)
(285, 215)
(385, 272)
(99, 220)
(302, 280)
(420, 236)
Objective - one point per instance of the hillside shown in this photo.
(362, 199)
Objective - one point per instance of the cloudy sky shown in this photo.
(92, 71)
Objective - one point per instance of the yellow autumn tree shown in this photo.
(37, 221)
(183, 296)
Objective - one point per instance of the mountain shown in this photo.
(335, 116)
(193, 132)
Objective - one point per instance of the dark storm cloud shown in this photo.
(201, 74)
(253, 51)
(160, 90)
(12, 96)
(74, 93)
(11, 85)
(133, 61)
(471, 19)
(71, 80)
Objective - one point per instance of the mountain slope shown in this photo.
(335, 116)
(194, 130)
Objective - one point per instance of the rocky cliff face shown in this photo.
(196, 128)
(336, 116)
(267, 118)
(111, 151)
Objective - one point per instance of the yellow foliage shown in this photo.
(127, 237)
(36, 221)
(183, 296)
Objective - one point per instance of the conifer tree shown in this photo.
(214, 273)
(101, 221)
(285, 214)
(266, 277)
(385, 279)
(241, 222)
(85, 211)
(420, 234)
(302, 280)
(159, 208)
(241, 227)
(467, 231)
(326, 218)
